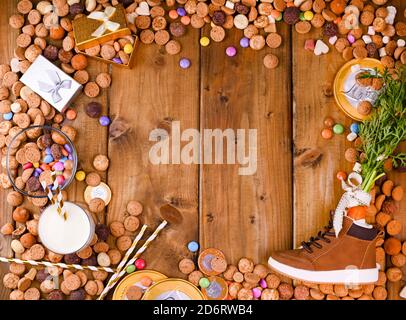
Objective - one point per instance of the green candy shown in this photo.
(338, 128)
(130, 268)
(302, 16)
(204, 283)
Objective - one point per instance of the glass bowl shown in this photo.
(28, 136)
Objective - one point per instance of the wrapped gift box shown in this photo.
(100, 27)
(51, 83)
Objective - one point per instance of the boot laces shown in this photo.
(321, 236)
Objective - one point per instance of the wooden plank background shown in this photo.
(280, 205)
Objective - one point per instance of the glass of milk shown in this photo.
(66, 236)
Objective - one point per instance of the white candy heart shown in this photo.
(142, 9)
(321, 48)
(131, 17)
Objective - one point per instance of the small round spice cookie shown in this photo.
(10, 281)
(72, 282)
(16, 21)
(9, 78)
(240, 21)
(123, 243)
(131, 223)
(93, 179)
(177, 29)
(92, 90)
(134, 293)
(257, 42)
(159, 23)
(218, 264)
(186, 266)
(115, 256)
(37, 252)
(101, 162)
(81, 76)
(143, 22)
(32, 294)
(271, 61)
(107, 52)
(360, 52)
(23, 40)
(134, 208)
(245, 265)
(162, 37)
(273, 40)
(117, 229)
(147, 36)
(96, 205)
(217, 33)
(103, 80)
(93, 51)
(173, 47)
(303, 27)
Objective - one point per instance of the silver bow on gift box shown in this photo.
(353, 196)
(56, 85)
(105, 17)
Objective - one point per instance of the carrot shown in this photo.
(357, 213)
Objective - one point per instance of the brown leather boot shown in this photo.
(346, 259)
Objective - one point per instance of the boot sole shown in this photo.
(345, 276)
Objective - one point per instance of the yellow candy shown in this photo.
(36, 165)
(204, 41)
(308, 15)
(128, 48)
(80, 175)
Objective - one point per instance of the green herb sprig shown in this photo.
(382, 133)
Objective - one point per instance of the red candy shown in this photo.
(140, 264)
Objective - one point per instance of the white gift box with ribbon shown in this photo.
(51, 83)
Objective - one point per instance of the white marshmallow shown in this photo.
(371, 30)
(401, 43)
(229, 5)
(385, 39)
(390, 18)
(382, 52)
(352, 136)
(367, 39)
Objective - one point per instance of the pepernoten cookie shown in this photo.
(212, 262)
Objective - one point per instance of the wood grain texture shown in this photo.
(247, 215)
(153, 95)
(7, 38)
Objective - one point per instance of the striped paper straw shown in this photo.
(110, 285)
(57, 198)
(62, 265)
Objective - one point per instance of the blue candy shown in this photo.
(8, 116)
(193, 246)
(48, 158)
(355, 128)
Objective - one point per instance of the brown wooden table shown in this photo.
(284, 203)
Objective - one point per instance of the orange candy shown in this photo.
(185, 20)
(338, 6)
(173, 14)
(275, 14)
(327, 133)
(357, 213)
(71, 114)
(341, 175)
(57, 33)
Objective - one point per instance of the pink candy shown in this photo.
(59, 166)
(309, 44)
(60, 179)
(263, 284)
(351, 38)
(27, 165)
(256, 293)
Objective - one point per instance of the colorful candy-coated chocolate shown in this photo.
(354, 127)
(104, 121)
(8, 116)
(231, 51)
(80, 175)
(28, 165)
(36, 164)
(36, 174)
(173, 14)
(181, 11)
(338, 128)
(68, 148)
(184, 63)
(48, 158)
(308, 15)
(256, 292)
(263, 284)
(59, 166)
(128, 48)
(302, 17)
(351, 38)
(130, 269)
(140, 264)
(48, 150)
(117, 60)
(204, 41)
(193, 246)
(341, 175)
(185, 20)
(204, 282)
(327, 133)
(61, 180)
(38, 170)
(245, 42)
